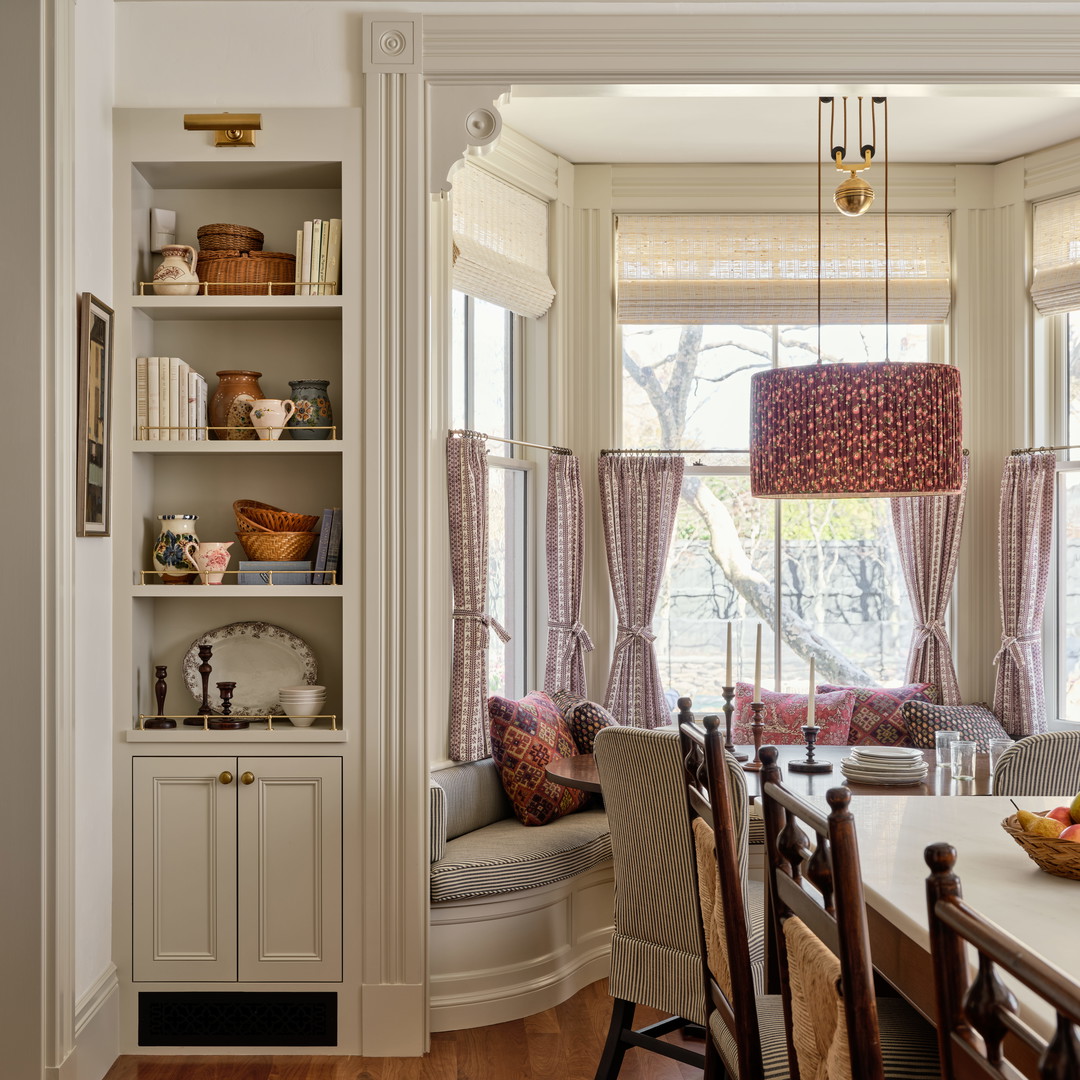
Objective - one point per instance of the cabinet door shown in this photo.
(184, 869)
(289, 863)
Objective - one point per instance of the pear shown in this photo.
(1038, 825)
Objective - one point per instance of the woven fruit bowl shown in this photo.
(1058, 857)
(254, 516)
(276, 546)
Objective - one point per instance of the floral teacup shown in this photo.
(211, 558)
(269, 416)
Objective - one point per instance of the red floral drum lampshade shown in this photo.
(829, 431)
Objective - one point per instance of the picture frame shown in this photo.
(94, 431)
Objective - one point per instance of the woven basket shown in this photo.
(254, 516)
(247, 273)
(229, 238)
(276, 546)
(1058, 857)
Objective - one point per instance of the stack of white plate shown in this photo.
(302, 703)
(884, 765)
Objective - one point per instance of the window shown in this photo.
(1068, 528)
(830, 567)
(484, 357)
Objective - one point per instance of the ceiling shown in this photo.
(951, 124)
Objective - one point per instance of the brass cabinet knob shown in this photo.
(225, 777)
(247, 778)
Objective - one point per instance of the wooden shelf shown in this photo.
(234, 446)
(285, 733)
(205, 308)
(249, 592)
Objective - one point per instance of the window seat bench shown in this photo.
(521, 916)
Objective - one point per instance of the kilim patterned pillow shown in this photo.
(584, 718)
(878, 719)
(785, 715)
(525, 736)
(974, 722)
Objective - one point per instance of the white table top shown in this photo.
(997, 877)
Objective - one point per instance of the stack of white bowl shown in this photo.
(302, 703)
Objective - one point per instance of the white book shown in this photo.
(324, 242)
(192, 405)
(141, 402)
(299, 258)
(163, 398)
(333, 258)
(313, 255)
(178, 398)
(305, 259)
(200, 415)
(153, 398)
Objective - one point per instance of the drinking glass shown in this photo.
(942, 741)
(963, 759)
(997, 748)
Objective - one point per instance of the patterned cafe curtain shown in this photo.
(568, 641)
(467, 499)
(1025, 537)
(928, 531)
(639, 495)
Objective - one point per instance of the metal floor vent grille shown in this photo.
(237, 1019)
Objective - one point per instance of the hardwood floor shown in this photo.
(563, 1043)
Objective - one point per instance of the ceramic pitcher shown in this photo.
(176, 275)
(212, 559)
(313, 417)
(269, 416)
(171, 559)
(230, 404)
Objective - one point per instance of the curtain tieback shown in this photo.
(486, 620)
(578, 636)
(935, 628)
(626, 634)
(1011, 645)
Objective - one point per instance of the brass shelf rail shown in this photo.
(205, 725)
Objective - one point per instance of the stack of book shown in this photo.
(170, 400)
(318, 257)
(327, 569)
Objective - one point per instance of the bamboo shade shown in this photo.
(1055, 287)
(763, 268)
(500, 243)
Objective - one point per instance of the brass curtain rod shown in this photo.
(1042, 449)
(729, 450)
(514, 442)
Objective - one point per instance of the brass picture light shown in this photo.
(230, 129)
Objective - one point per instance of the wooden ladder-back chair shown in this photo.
(838, 1028)
(978, 1018)
(746, 1038)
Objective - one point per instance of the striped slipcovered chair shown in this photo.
(656, 945)
(836, 1025)
(1047, 764)
(746, 1038)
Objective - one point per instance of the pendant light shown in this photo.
(855, 430)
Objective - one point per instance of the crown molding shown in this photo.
(1051, 172)
(527, 165)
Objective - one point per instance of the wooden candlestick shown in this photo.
(757, 726)
(810, 734)
(205, 652)
(160, 689)
(225, 722)
(729, 709)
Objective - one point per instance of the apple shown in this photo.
(1071, 833)
(1060, 813)
(1074, 809)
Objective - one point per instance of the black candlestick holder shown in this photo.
(757, 727)
(226, 722)
(810, 734)
(729, 709)
(160, 689)
(200, 720)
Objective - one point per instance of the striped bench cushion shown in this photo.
(507, 856)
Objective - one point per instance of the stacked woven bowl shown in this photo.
(270, 534)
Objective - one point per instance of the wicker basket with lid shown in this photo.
(247, 273)
(221, 237)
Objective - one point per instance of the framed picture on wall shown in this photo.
(95, 429)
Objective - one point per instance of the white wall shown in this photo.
(93, 555)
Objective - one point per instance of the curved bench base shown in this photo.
(499, 958)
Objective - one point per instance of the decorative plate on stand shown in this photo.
(259, 657)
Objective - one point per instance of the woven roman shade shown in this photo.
(1055, 287)
(763, 268)
(500, 243)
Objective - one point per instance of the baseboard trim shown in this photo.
(97, 1030)
(393, 1020)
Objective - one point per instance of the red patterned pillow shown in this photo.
(785, 715)
(878, 718)
(525, 736)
